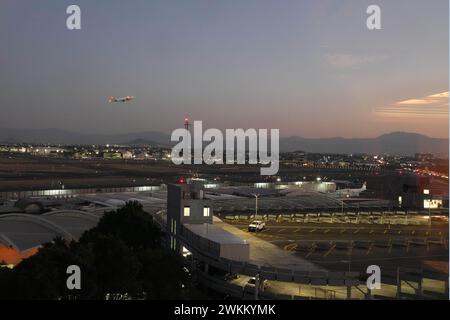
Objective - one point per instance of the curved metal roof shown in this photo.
(24, 231)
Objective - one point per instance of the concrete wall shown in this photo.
(236, 252)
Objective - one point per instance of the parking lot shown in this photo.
(349, 245)
(387, 291)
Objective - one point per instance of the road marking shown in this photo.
(311, 251)
(311, 231)
(329, 251)
(357, 231)
(343, 231)
(326, 231)
(281, 230)
(385, 231)
(399, 232)
(297, 230)
(370, 249)
(413, 232)
(290, 247)
(371, 231)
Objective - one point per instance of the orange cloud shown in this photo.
(431, 106)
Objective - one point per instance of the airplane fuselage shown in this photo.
(123, 99)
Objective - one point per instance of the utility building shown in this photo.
(190, 225)
(186, 205)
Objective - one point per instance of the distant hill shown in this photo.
(397, 143)
(143, 142)
(59, 136)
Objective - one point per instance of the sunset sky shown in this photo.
(309, 68)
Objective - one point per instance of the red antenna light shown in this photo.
(186, 123)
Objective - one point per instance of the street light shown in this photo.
(427, 192)
(256, 195)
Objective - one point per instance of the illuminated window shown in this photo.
(432, 204)
(206, 211)
(426, 191)
(187, 211)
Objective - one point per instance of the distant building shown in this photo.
(112, 155)
(127, 154)
(307, 186)
(141, 156)
(421, 157)
(45, 151)
(421, 195)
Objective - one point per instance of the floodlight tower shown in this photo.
(187, 140)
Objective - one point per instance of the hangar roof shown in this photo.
(24, 231)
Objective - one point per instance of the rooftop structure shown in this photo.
(23, 233)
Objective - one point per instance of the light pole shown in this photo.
(427, 192)
(256, 195)
(350, 252)
(257, 281)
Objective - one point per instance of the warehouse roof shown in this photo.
(23, 232)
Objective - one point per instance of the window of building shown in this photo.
(206, 211)
(187, 211)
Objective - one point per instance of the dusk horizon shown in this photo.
(309, 69)
(168, 132)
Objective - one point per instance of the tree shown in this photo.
(43, 275)
(121, 255)
(131, 224)
(162, 274)
(116, 266)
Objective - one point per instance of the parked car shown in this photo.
(231, 276)
(256, 225)
(252, 282)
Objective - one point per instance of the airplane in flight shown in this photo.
(350, 193)
(123, 99)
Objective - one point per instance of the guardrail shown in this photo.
(308, 216)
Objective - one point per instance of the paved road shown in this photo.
(264, 253)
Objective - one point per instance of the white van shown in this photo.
(256, 225)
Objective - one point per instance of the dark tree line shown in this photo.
(121, 255)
